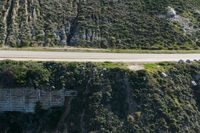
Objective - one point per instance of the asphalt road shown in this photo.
(94, 57)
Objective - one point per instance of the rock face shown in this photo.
(93, 23)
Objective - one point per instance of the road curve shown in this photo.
(93, 57)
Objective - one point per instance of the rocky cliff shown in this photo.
(164, 98)
(145, 24)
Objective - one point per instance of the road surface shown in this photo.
(94, 57)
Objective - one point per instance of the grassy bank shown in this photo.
(77, 49)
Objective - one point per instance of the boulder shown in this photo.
(171, 13)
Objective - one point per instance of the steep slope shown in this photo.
(142, 24)
(162, 99)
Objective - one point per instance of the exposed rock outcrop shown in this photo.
(171, 13)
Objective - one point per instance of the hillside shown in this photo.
(141, 24)
(164, 98)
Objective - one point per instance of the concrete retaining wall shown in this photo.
(24, 99)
